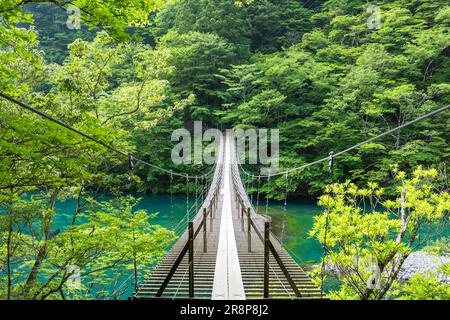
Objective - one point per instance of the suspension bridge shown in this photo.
(228, 250)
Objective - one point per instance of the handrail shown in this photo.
(241, 201)
(207, 209)
(280, 263)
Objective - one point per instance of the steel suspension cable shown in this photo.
(93, 139)
(196, 195)
(286, 191)
(280, 281)
(407, 124)
(172, 213)
(187, 198)
(257, 195)
(252, 191)
(181, 281)
(267, 195)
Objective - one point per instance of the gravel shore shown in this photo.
(420, 261)
(424, 263)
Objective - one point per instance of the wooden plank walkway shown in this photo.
(251, 263)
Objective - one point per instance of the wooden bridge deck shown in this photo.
(251, 263)
(204, 267)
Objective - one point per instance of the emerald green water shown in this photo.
(291, 224)
(169, 211)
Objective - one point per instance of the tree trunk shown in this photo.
(8, 259)
(135, 269)
(42, 253)
(399, 259)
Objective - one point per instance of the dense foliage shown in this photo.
(361, 230)
(41, 163)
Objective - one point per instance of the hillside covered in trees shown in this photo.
(313, 70)
(135, 71)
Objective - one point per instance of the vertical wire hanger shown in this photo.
(267, 194)
(172, 213)
(257, 193)
(203, 184)
(187, 199)
(286, 191)
(283, 227)
(330, 163)
(251, 193)
(324, 246)
(196, 196)
(246, 183)
(130, 165)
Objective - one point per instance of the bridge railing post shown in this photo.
(266, 258)
(191, 259)
(242, 206)
(205, 216)
(211, 209)
(249, 230)
(242, 218)
(215, 200)
(210, 219)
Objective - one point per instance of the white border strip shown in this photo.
(228, 283)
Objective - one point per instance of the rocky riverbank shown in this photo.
(424, 263)
(417, 262)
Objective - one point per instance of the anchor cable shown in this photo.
(425, 116)
(127, 155)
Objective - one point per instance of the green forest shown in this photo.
(326, 74)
